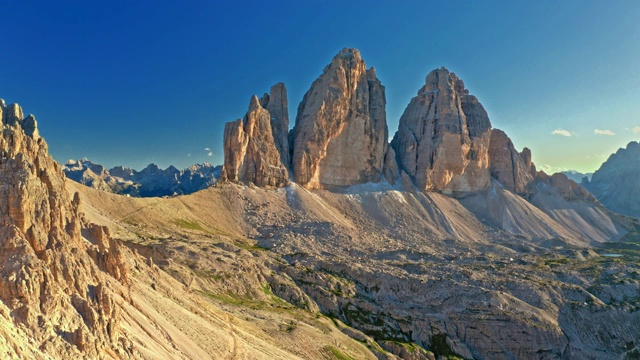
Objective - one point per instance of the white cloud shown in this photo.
(636, 130)
(604, 132)
(207, 149)
(210, 153)
(561, 132)
(551, 169)
(188, 154)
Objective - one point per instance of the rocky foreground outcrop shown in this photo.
(256, 145)
(49, 287)
(615, 184)
(443, 138)
(340, 135)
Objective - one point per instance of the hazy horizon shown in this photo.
(130, 84)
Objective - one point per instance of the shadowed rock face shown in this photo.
(511, 168)
(50, 254)
(340, 136)
(250, 151)
(615, 184)
(277, 105)
(443, 138)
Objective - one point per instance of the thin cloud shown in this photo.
(188, 154)
(210, 153)
(636, 130)
(551, 169)
(561, 132)
(207, 149)
(604, 132)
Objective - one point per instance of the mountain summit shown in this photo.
(443, 139)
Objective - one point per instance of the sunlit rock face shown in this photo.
(256, 147)
(51, 256)
(340, 136)
(443, 138)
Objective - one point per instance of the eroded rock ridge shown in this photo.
(49, 287)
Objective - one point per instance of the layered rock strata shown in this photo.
(251, 153)
(443, 138)
(340, 135)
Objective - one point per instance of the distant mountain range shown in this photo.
(150, 182)
(616, 183)
(577, 176)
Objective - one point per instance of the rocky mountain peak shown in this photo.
(277, 105)
(615, 183)
(254, 104)
(340, 135)
(443, 138)
(12, 115)
(512, 169)
(251, 153)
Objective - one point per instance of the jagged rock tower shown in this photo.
(443, 138)
(512, 169)
(256, 148)
(340, 135)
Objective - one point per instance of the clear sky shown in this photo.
(134, 82)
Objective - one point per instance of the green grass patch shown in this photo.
(250, 246)
(440, 347)
(186, 224)
(337, 354)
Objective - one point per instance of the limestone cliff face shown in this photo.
(277, 105)
(340, 135)
(251, 152)
(48, 271)
(443, 138)
(511, 168)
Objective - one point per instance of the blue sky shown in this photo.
(134, 82)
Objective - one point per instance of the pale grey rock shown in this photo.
(443, 137)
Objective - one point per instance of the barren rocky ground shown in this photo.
(402, 267)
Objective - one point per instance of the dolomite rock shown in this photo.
(443, 137)
(250, 151)
(276, 103)
(566, 187)
(340, 136)
(391, 172)
(48, 279)
(510, 167)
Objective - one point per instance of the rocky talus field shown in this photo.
(323, 242)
